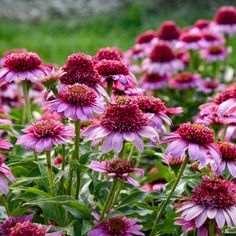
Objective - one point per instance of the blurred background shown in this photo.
(57, 28)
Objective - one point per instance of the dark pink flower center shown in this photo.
(126, 117)
(1, 161)
(228, 151)
(151, 104)
(215, 193)
(201, 24)
(190, 38)
(117, 226)
(22, 61)
(78, 94)
(226, 94)
(146, 37)
(215, 50)
(79, 68)
(27, 229)
(119, 166)
(169, 31)
(210, 37)
(162, 53)
(111, 67)
(46, 128)
(196, 133)
(226, 16)
(108, 54)
(211, 84)
(184, 77)
(154, 77)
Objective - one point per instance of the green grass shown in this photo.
(56, 39)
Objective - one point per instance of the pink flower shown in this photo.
(121, 122)
(58, 161)
(5, 145)
(169, 160)
(5, 175)
(22, 66)
(184, 80)
(190, 41)
(202, 24)
(198, 140)
(210, 39)
(115, 70)
(77, 102)
(118, 225)
(79, 68)
(11, 221)
(108, 54)
(214, 53)
(162, 60)
(117, 168)
(212, 199)
(26, 228)
(228, 152)
(209, 85)
(169, 32)
(225, 20)
(151, 82)
(156, 107)
(44, 134)
(6, 53)
(146, 38)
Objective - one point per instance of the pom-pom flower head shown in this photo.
(117, 168)
(212, 199)
(44, 134)
(198, 140)
(225, 20)
(108, 54)
(114, 226)
(115, 70)
(162, 60)
(146, 37)
(22, 66)
(121, 122)
(169, 32)
(190, 41)
(78, 102)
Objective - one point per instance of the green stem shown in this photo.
(113, 203)
(4, 201)
(212, 227)
(109, 86)
(224, 133)
(63, 165)
(109, 199)
(50, 173)
(165, 203)
(77, 156)
(121, 153)
(131, 152)
(27, 102)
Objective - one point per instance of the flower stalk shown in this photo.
(50, 173)
(165, 203)
(27, 102)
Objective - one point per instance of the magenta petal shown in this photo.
(132, 181)
(138, 142)
(220, 218)
(177, 148)
(95, 165)
(3, 185)
(193, 151)
(200, 220)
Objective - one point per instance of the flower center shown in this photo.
(111, 67)
(151, 104)
(190, 38)
(22, 61)
(210, 37)
(201, 24)
(127, 117)
(196, 133)
(162, 53)
(117, 226)
(169, 31)
(215, 193)
(228, 151)
(146, 37)
(215, 50)
(226, 16)
(78, 94)
(154, 77)
(184, 77)
(46, 128)
(211, 84)
(79, 68)
(108, 54)
(27, 229)
(1, 161)
(119, 166)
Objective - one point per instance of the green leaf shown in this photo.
(35, 191)
(66, 201)
(133, 197)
